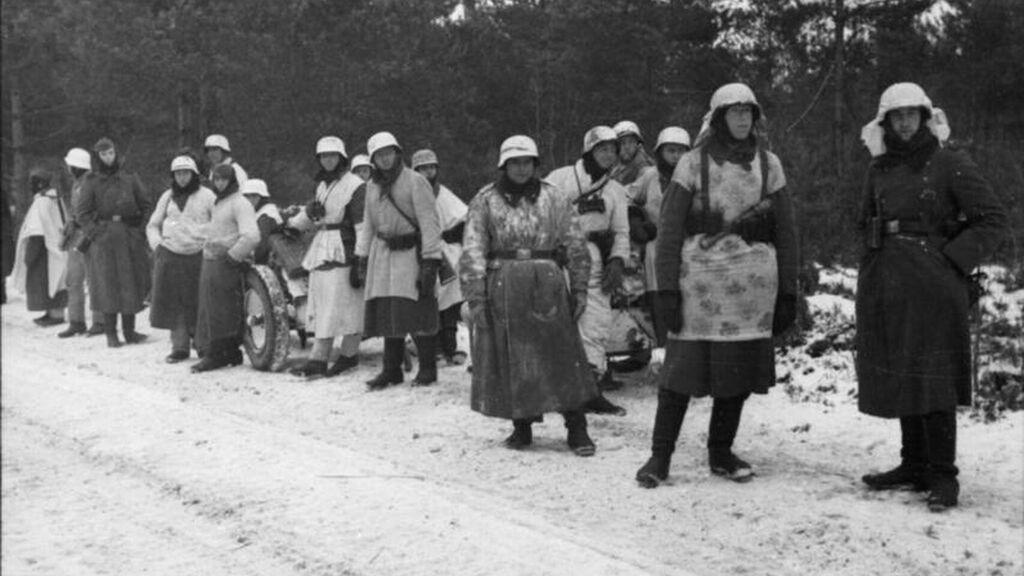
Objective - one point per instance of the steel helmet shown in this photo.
(735, 93)
(381, 140)
(331, 144)
(78, 158)
(597, 135)
(628, 128)
(361, 160)
(423, 158)
(217, 141)
(518, 146)
(184, 163)
(903, 95)
(255, 186)
(673, 135)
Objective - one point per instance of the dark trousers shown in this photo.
(394, 351)
(668, 420)
(929, 441)
(449, 329)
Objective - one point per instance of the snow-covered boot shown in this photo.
(73, 329)
(940, 429)
(342, 364)
(577, 438)
(911, 471)
(522, 434)
(668, 419)
(427, 347)
(110, 329)
(394, 348)
(310, 369)
(128, 327)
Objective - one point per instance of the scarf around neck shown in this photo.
(915, 152)
(513, 192)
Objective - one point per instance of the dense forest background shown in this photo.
(460, 76)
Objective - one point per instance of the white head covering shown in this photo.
(728, 95)
(902, 95)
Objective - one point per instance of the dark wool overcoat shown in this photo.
(913, 339)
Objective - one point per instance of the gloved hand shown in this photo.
(357, 272)
(428, 277)
(577, 305)
(670, 303)
(478, 313)
(785, 313)
(315, 210)
(612, 280)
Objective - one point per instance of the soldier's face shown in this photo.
(429, 171)
(329, 160)
(628, 145)
(220, 184)
(740, 119)
(182, 177)
(385, 159)
(214, 155)
(519, 170)
(605, 154)
(107, 156)
(671, 153)
(905, 121)
(363, 172)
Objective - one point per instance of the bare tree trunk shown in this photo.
(19, 190)
(183, 124)
(840, 68)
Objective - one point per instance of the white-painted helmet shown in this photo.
(597, 135)
(217, 141)
(379, 141)
(184, 163)
(423, 158)
(78, 158)
(673, 135)
(518, 146)
(628, 128)
(329, 144)
(255, 186)
(360, 160)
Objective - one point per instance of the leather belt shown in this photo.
(329, 226)
(890, 227)
(522, 254)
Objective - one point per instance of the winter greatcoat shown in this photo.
(41, 265)
(394, 307)
(231, 235)
(451, 212)
(529, 359)
(913, 352)
(112, 212)
(611, 217)
(176, 238)
(334, 307)
(700, 366)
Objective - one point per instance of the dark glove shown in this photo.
(35, 249)
(240, 265)
(356, 273)
(577, 305)
(428, 277)
(454, 234)
(478, 313)
(670, 304)
(612, 280)
(315, 210)
(291, 233)
(83, 244)
(785, 313)
(641, 229)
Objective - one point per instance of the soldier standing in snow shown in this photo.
(335, 304)
(647, 193)
(527, 355)
(399, 251)
(727, 213)
(231, 235)
(78, 163)
(451, 215)
(362, 167)
(268, 217)
(929, 217)
(601, 204)
(113, 210)
(40, 264)
(218, 153)
(633, 159)
(176, 238)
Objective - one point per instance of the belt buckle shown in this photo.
(115, 218)
(523, 253)
(892, 227)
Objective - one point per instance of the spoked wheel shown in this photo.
(266, 336)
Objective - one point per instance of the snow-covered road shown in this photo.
(116, 463)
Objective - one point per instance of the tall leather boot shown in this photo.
(394, 349)
(914, 460)
(940, 437)
(725, 421)
(427, 347)
(110, 329)
(668, 419)
(128, 327)
(577, 438)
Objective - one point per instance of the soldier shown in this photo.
(632, 156)
(218, 153)
(399, 250)
(78, 163)
(40, 263)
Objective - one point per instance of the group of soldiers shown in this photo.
(538, 261)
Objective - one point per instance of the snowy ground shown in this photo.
(116, 463)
